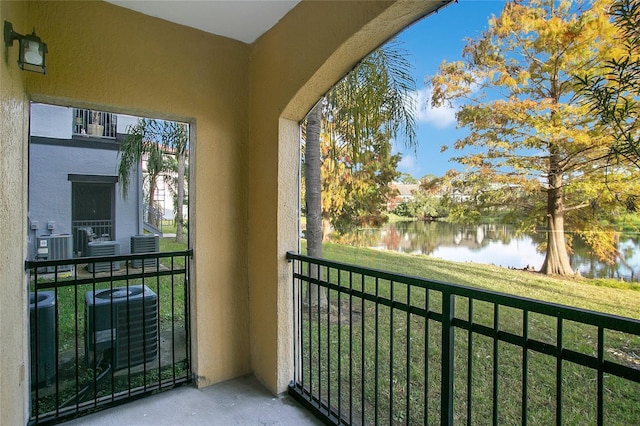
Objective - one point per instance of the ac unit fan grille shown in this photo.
(103, 248)
(136, 342)
(144, 244)
(132, 337)
(55, 247)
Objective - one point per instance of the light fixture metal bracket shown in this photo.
(33, 51)
(9, 34)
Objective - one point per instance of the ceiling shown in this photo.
(243, 20)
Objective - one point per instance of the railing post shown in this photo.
(446, 403)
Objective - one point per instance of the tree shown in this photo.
(174, 139)
(355, 190)
(155, 140)
(175, 136)
(423, 206)
(613, 94)
(361, 115)
(179, 172)
(532, 144)
(407, 178)
(371, 101)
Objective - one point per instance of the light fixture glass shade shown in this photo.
(32, 54)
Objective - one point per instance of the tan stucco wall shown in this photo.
(244, 102)
(111, 58)
(127, 62)
(292, 66)
(14, 118)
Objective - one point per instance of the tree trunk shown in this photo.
(556, 261)
(326, 226)
(151, 217)
(180, 198)
(313, 199)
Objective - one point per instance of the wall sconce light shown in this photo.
(32, 50)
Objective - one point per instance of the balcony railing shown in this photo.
(104, 331)
(87, 122)
(393, 349)
(86, 231)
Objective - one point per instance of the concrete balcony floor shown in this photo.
(242, 401)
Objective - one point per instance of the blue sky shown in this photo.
(436, 38)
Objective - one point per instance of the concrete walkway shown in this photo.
(242, 401)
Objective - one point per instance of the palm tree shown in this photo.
(374, 98)
(156, 140)
(176, 137)
(179, 172)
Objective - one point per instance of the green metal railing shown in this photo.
(385, 348)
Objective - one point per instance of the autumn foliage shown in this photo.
(528, 127)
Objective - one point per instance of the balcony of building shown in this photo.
(242, 307)
(378, 348)
(241, 401)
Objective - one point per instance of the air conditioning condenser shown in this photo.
(121, 326)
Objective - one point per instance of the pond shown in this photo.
(492, 244)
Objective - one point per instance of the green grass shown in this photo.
(394, 218)
(169, 227)
(393, 346)
(629, 223)
(169, 244)
(601, 295)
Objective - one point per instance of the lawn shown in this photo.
(383, 365)
(601, 295)
(169, 227)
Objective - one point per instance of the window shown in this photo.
(94, 123)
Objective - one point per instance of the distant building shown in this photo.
(404, 192)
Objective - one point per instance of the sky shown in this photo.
(430, 41)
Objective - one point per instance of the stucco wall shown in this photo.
(14, 120)
(293, 65)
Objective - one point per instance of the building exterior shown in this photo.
(243, 103)
(403, 193)
(73, 182)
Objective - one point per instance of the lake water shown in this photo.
(491, 244)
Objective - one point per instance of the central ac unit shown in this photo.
(103, 248)
(43, 314)
(55, 247)
(121, 326)
(146, 243)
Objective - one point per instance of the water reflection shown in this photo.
(489, 243)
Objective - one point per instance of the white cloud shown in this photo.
(408, 164)
(439, 117)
